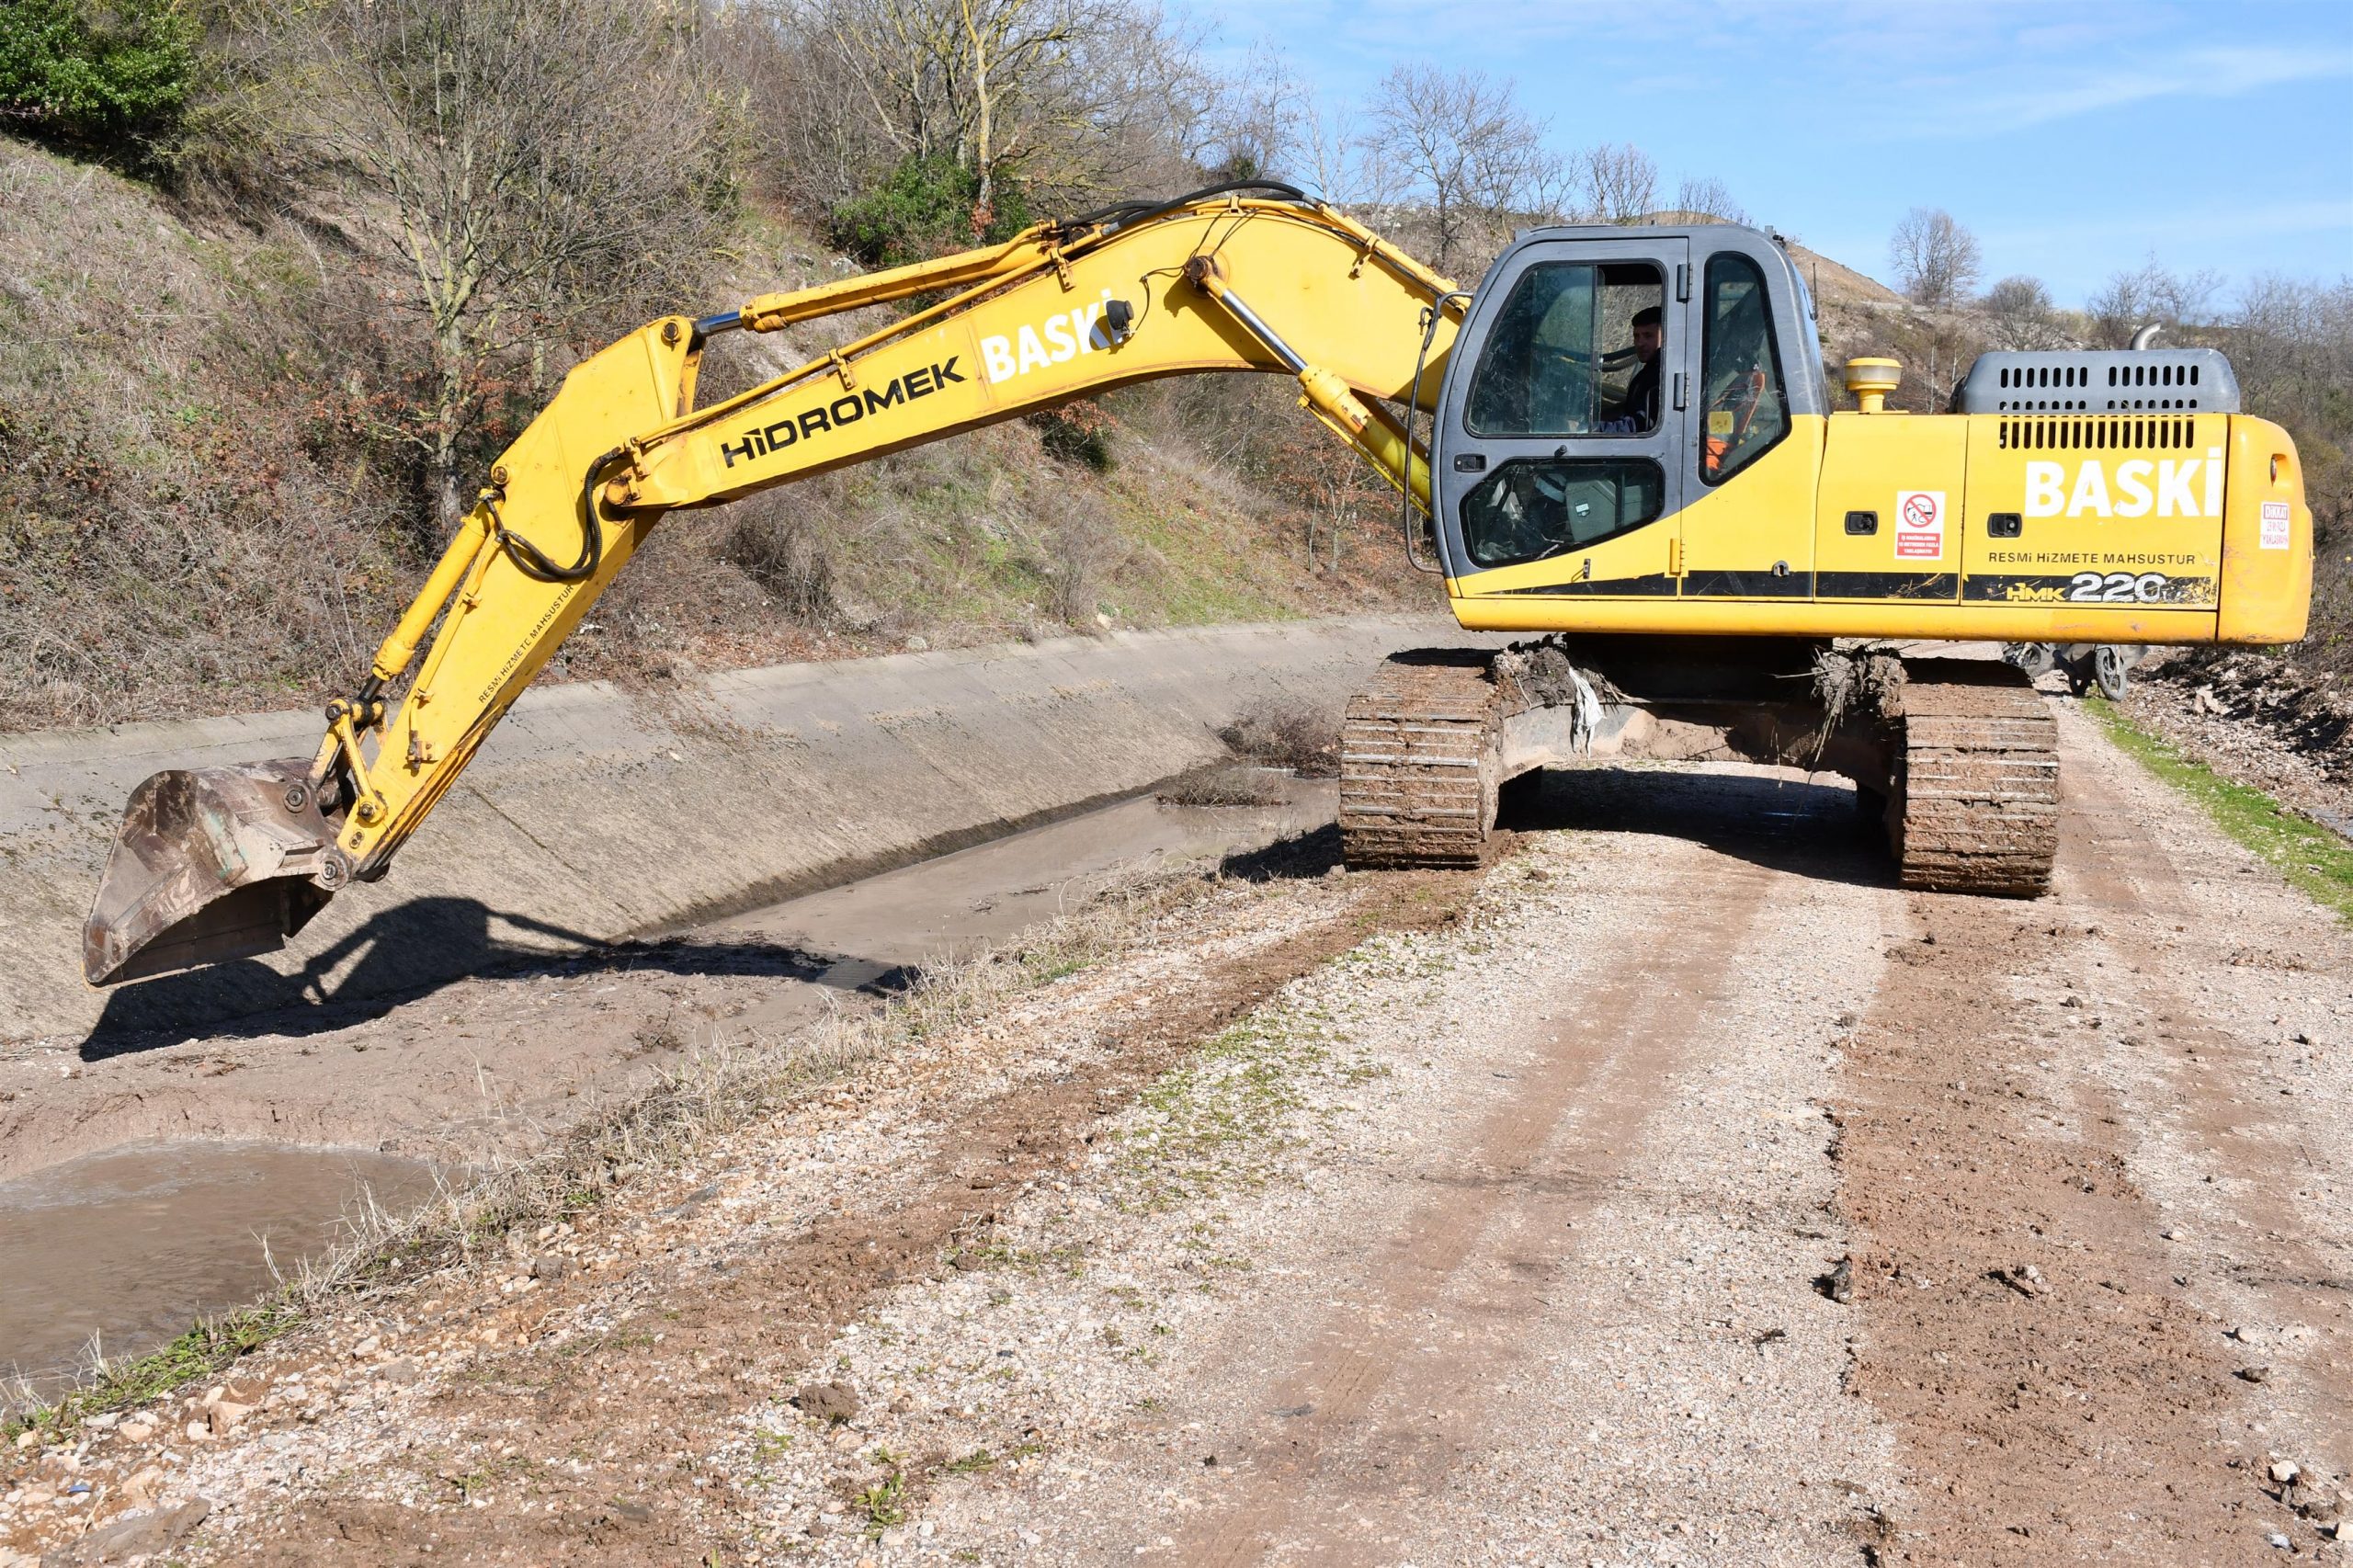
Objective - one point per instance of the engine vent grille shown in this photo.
(2096, 434)
(2119, 381)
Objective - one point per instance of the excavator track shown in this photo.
(1975, 802)
(1420, 762)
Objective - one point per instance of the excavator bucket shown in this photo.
(212, 864)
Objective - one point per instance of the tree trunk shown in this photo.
(446, 509)
(984, 204)
(447, 413)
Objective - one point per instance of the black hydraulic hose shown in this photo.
(1414, 391)
(1124, 212)
(533, 562)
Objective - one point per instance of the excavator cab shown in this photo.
(1548, 482)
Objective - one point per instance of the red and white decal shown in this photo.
(1919, 525)
(2274, 525)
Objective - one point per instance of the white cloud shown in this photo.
(2218, 73)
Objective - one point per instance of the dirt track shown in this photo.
(1676, 1190)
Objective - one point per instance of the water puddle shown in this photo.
(132, 1244)
(921, 912)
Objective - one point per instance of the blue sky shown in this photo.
(2075, 139)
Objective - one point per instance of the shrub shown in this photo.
(1221, 784)
(1076, 433)
(110, 75)
(773, 540)
(1305, 740)
(924, 210)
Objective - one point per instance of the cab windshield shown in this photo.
(1560, 359)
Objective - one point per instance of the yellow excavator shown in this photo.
(1622, 440)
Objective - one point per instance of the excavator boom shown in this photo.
(218, 863)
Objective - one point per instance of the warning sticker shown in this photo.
(2274, 525)
(1919, 525)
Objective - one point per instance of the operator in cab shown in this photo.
(1639, 409)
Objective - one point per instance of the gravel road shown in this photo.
(1675, 1190)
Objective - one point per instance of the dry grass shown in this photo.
(1304, 740)
(200, 514)
(1224, 784)
(177, 531)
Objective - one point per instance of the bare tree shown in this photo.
(2291, 343)
(814, 153)
(1620, 183)
(1260, 122)
(2290, 340)
(2020, 314)
(1333, 152)
(2149, 295)
(1458, 146)
(1071, 96)
(1936, 260)
(532, 169)
(1708, 199)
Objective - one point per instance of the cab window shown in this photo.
(1532, 508)
(1560, 360)
(1743, 410)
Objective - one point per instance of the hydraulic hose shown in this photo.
(533, 562)
(1413, 390)
(1124, 212)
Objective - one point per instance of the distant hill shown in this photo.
(1836, 284)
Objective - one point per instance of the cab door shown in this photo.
(1557, 466)
(1755, 464)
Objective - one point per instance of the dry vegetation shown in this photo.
(245, 368)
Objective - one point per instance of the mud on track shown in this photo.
(1489, 1217)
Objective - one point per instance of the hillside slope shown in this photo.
(203, 510)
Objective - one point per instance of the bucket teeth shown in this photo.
(1420, 763)
(211, 864)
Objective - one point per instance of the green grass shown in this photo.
(2316, 860)
(884, 1503)
(207, 1348)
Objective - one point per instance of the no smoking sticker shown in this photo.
(1919, 525)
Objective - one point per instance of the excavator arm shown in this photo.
(219, 863)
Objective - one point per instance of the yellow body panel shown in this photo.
(1904, 619)
(1888, 465)
(2138, 530)
(1737, 542)
(2122, 514)
(2267, 537)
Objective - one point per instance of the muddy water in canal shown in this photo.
(119, 1252)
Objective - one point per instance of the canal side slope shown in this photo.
(596, 812)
